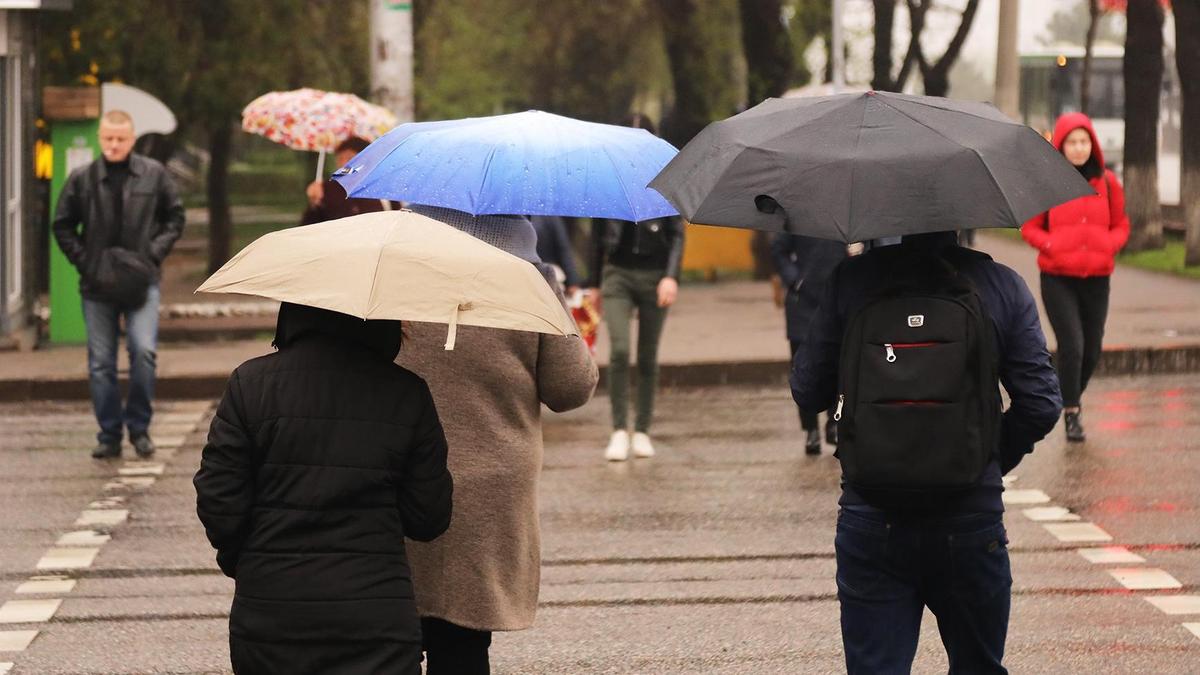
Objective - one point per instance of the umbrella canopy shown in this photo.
(857, 167)
(530, 163)
(396, 265)
(311, 119)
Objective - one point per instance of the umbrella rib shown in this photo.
(483, 176)
(1011, 216)
(853, 169)
(624, 192)
(375, 276)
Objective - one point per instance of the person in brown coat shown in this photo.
(327, 199)
(482, 575)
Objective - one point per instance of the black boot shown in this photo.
(143, 446)
(831, 431)
(1074, 428)
(812, 445)
(107, 451)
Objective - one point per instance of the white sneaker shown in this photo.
(642, 446)
(618, 446)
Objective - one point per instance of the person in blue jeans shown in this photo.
(891, 563)
(116, 220)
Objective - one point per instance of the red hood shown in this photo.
(1070, 122)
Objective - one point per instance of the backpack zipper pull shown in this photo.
(891, 354)
(837, 414)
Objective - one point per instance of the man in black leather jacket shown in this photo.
(117, 219)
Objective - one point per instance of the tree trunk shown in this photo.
(1085, 84)
(1143, 73)
(1187, 60)
(881, 58)
(699, 77)
(937, 76)
(767, 47)
(220, 223)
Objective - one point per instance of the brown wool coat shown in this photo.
(484, 572)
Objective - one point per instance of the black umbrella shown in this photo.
(856, 167)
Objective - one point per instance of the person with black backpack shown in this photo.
(910, 346)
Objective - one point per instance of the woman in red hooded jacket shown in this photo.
(1077, 243)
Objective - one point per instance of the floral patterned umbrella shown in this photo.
(315, 120)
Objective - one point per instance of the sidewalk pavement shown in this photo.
(720, 333)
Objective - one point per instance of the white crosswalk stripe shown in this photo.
(1110, 555)
(1077, 532)
(28, 611)
(1176, 604)
(1144, 578)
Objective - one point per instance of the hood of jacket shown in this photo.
(1070, 122)
(380, 337)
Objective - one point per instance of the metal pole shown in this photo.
(1008, 66)
(838, 48)
(392, 56)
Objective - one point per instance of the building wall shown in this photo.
(19, 230)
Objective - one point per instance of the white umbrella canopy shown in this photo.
(396, 265)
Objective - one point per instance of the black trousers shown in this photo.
(808, 419)
(454, 650)
(1077, 309)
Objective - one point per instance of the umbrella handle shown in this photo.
(320, 165)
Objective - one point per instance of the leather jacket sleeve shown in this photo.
(67, 216)
(675, 256)
(170, 216)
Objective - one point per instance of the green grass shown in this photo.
(1168, 259)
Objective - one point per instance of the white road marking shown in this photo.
(108, 503)
(1008, 480)
(169, 442)
(68, 558)
(102, 517)
(1110, 554)
(16, 640)
(1025, 497)
(1176, 604)
(28, 611)
(138, 469)
(5, 667)
(1194, 627)
(1077, 532)
(1144, 578)
(1049, 514)
(88, 538)
(137, 481)
(37, 586)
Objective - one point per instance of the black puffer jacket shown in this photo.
(320, 460)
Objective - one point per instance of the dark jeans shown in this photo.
(1077, 309)
(454, 650)
(889, 568)
(141, 328)
(624, 291)
(808, 419)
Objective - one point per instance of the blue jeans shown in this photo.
(141, 328)
(890, 567)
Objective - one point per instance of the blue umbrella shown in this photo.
(531, 163)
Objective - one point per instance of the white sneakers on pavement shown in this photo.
(642, 446)
(618, 446)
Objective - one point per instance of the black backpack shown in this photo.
(919, 409)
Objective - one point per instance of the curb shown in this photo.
(772, 373)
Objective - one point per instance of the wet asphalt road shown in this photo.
(714, 557)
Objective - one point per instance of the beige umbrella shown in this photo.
(396, 265)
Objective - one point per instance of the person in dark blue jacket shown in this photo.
(554, 248)
(891, 564)
(804, 265)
